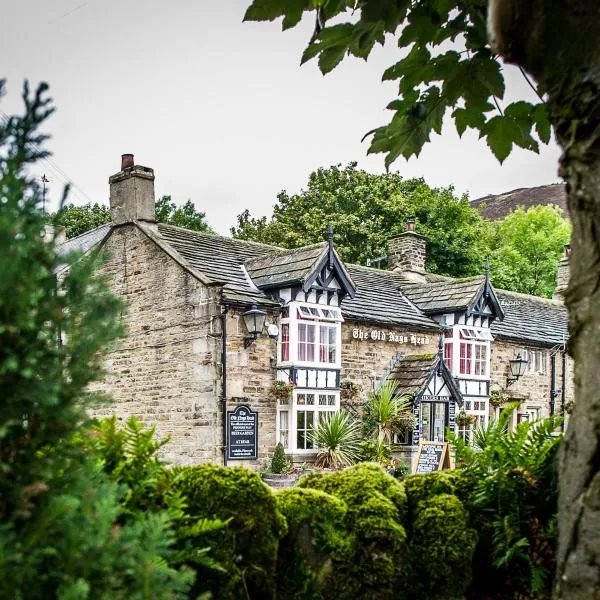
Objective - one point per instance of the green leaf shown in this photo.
(542, 123)
(269, 10)
(500, 133)
(333, 42)
(468, 117)
(411, 69)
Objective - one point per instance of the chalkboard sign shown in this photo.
(242, 433)
(433, 456)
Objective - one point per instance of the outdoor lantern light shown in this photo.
(254, 320)
(517, 368)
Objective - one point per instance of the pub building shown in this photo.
(213, 324)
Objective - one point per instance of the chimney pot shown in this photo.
(410, 224)
(126, 161)
(567, 250)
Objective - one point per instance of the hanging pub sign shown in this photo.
(242, 433)
(433, 456)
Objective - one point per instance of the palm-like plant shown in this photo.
(387, 413)
(336, 437)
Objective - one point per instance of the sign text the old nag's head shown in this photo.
(381, 335)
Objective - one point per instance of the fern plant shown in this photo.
(515, 495)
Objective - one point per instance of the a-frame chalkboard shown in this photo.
(433, 456)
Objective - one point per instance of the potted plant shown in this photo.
(282, 390)
(349, 390)
(280, 472)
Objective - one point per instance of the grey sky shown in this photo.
(219, 108)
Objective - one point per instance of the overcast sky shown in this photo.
(220, 109)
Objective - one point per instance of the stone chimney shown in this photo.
(562, 275)
(407, 252)
(132, 193)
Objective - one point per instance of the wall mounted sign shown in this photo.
(382, 335)
(433, 456)
(242, 433)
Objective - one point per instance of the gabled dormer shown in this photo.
(313, 274)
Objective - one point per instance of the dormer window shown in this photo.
(467, 350)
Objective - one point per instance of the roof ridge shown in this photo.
(85, 233)
(550, 301)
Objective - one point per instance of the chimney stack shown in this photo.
(562, 275)
(132, 193)
(407, 252)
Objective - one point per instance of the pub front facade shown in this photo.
(234, 346)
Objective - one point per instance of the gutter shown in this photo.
(553, 392)
(564, 387)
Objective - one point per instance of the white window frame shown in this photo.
(537, 360)
(320, 317)
(293, 408)
(474, 336)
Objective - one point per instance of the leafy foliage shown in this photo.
(515, 497)
(387, 413)
(446, 65)
(527, 248)
(62, 531)
(336, 438)
(79, 219)
(365, 209)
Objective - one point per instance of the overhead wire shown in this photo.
(74, 189)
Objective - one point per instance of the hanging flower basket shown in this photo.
(569, 406)
(465, 420)
(497, 398)
(282, 390)
(349, 390)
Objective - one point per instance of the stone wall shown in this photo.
(365, 361)
(532, 389)
(250, 378)
(407, 253)
(165, 371)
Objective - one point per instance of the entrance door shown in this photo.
(434, 420)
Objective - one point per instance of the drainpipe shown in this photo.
(224, 381)
(564, 387)
(553, 392)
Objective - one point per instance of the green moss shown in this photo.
(316, 540)
(441, 549)
(247, 547)
(376, 506)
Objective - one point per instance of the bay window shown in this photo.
(298, 415)
(466, 350)
(310, 334)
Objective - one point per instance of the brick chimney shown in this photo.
(132, 193)
(407, 252)
(562, 274)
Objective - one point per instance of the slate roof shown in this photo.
(496, 207)
(412, 372)
(279, 268)
(531, 319)
(379, 299)
(444, 296)
(86, 241)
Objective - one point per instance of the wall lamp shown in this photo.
(254, 319)
(517, 369)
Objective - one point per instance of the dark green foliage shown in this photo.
(280, 463)
(514, 504)
(376, 506)
(441, 549)
(63, 531)
(79, 219)
(465, 76)
(365, 209)
(247, 547)
(316, 543)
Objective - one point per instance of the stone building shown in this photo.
(213, 323)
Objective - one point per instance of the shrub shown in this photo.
(316, 542)
(441, 550)
(280, 463)
(376, 506)
(247, 547)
